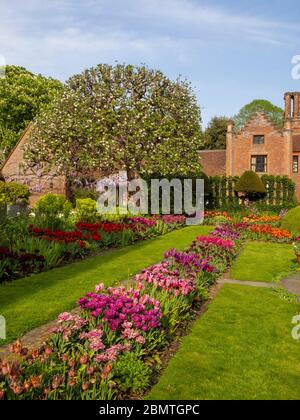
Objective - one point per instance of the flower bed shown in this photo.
(12, 263)
(65, 246)
(253, 231)
(112, 348)
(262, 219)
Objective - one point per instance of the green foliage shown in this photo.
(53, 252)
(58, 289)
(86, 209)
(291, 221)
(207, 184)
(250, 186)
(133, 375)
(12, 230)
(85, 193)
(53, 205)
(22, 96)
(275, 113)
(280, 194)
(125, 117)
(52, 210)
(13, 193)
(214, 137)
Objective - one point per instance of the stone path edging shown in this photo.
(247, 283)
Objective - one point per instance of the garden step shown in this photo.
(292, 284)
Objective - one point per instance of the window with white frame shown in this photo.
(259, 163)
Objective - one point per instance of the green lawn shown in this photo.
(241, 348)
(33, 301)
(261, 261)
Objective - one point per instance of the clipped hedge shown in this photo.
(280, 193)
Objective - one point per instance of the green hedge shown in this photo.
(12, 193)
(280, 193)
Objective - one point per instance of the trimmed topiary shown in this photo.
(250, 186)
(291, 221)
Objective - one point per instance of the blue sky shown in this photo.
(232, 51)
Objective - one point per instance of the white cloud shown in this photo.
(62, 36)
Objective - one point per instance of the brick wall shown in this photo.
(275, 148)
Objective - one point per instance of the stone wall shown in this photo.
(13, 171)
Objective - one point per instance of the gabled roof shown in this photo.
(253, 117)
(25, 132)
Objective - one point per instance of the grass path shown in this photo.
(33, 301)
(241, 348)
(262, 261)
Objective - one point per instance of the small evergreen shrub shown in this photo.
(54, 205)
(291, 221)
(13, 193)
(133, 375)
(52, 211)
(86, 209)
(250, 186)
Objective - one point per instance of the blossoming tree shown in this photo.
(119, 118)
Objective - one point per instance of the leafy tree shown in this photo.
(250, 187)
(22, 95)
(119, 118)
(275, 113)
(215, 134)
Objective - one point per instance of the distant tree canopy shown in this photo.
(214, 136)
(275, 113)
(119, 118)
(22, 96)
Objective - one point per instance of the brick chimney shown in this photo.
(292, 109)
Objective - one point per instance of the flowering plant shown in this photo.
(85, 356)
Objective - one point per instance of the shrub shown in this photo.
(207, 184)
(86, 210)
(250, 186)
(12, 193)
(291, 221)
(132, 373)
(52, 210)
(13, 265)
(84, 192)
(52, 252)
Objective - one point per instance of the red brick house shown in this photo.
(260, 146)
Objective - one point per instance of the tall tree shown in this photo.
(214, 136)
(275, 113)
(123, 117)
(22, 96)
